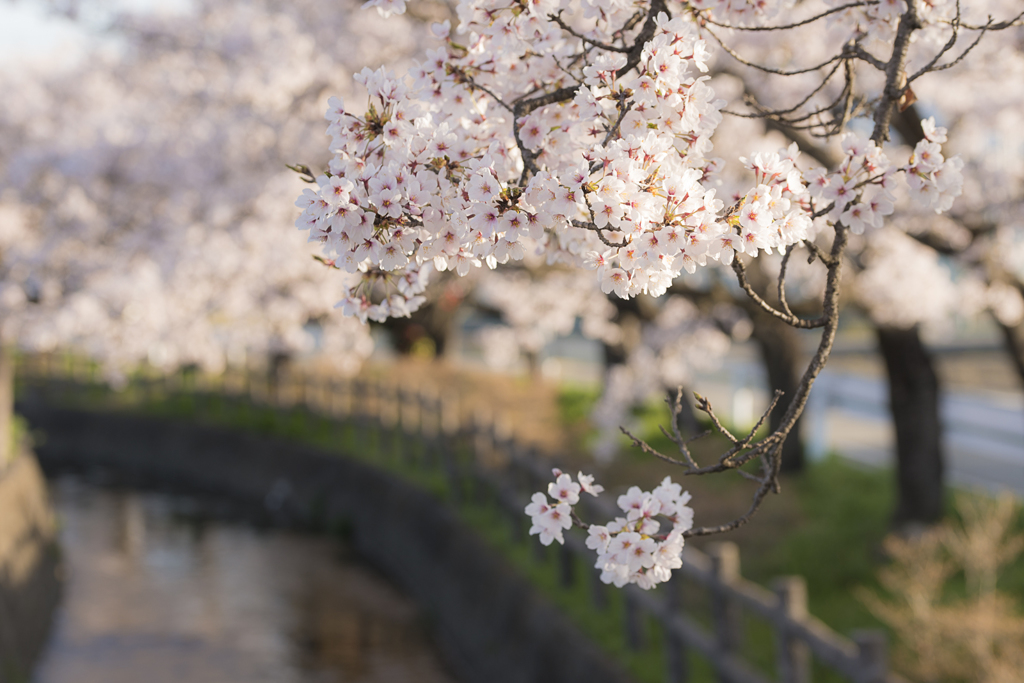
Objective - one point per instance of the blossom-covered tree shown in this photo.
(142, 189)
(583, 131)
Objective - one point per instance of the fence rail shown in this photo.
(481, 460)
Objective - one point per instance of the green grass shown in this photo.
(845, 512)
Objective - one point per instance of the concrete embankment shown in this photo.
(490, 624)
(29, 567)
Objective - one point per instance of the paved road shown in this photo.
(848, 414)
(983, 430)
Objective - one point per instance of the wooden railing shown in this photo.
(482, 462)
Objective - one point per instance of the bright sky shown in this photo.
(31, 35)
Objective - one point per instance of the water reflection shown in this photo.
(154, 595)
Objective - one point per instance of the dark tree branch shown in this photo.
(895, 73)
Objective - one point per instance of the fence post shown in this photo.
(516, 516)
(451, 427)
(375, 409)
(872, 656)
(566, 565)
(428, 411)
(483, 436)
(388, 412)
(634, 621)
(361, 414)
(501, 435)
(316, 393)
(432, 428)
(411, 413)
(341, 399)
(677, 658)
(725, 567)
(793, 658)
(300, 389)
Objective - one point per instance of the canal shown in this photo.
(159, 590)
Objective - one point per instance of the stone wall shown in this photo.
(29, 567)
(490, 624)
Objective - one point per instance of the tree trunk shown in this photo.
(6, 405)
(914, 401)
(780, 351)
(1013, 339)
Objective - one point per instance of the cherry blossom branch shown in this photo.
(614, 130)
(600, 232)
(523, 106)
(895, 74)
(646, 187)
(769, 472)
(728, 460)
(863, 55)
(642, 38)
(786, 317)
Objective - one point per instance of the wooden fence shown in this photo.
(482, 462)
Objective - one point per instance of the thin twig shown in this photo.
(1016, 21)
(646, 448)
(704, 405)
(557, 18)
(600, 233)
(816, 252)
(473, 84)
(778, 72)
(759, 495)
(789, 319)
(786, 253)
(786, 27)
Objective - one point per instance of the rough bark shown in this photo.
(780, 350)
(914, 401)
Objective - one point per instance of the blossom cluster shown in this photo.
(431, 175)
(448, 168)
(862, 191)
(427, 176)
(630, 549)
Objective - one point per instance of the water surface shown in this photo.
(155, 593)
